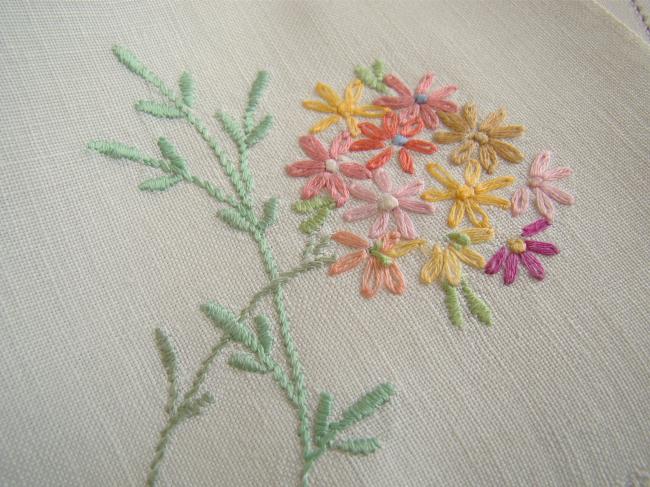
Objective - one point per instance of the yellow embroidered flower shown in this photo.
(487, 138)
(469, 196)
(345, 109)
(444, 262)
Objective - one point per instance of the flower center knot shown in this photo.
(399, 140)
(465, 192)
(387, 202)
(331, 165)
(480, 137)
(517, 245)
(343, 109)
(535, 181)
(421, 99)
(383, 259)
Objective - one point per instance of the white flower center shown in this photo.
(331, 165)
(387, 202)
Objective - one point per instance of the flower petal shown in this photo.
(389, 241)
(380, 226)
(425, 83)
(313, 187)
(372, 131)
(347, 262)
(433, 267)
(398, 85)
(536, 227)
(511, 267)
(439, 95)
(472, 209)
(324, 124)
(429, 117)
(382, 180)
(406, 161)
(496, 261)
(380, 159)
(451, 269)
(305, 168)
(454, 121)
(544, 204)
(318, 106)
(313, 147)
(363, 193)
(410, 127)
(534, 266)
(488, 199)
(353, 92)
(558, 195)
(421, 146)
(448, 137)
(415, 206)
(366, 144)
(456, 214)
(394, 279)
(394, 102)
(442, 175)
(470, 114)
(370, 111)
(462, 154)
(327, 93)
(405, 247)
(557, 173)
(434, 195)
(494, 184)
(360, 213)
(349, 239)
(541, 248)
(340, 145)
(372, 279)
(353, 125)
(469, 257)
(507, 131)
(404, 224)
(493, 120)
(472, 172)
(412, 188)
(540, 164)
(338, 189)
(507, 151)
(519, 201)
(478, 235)
(488, 158)
(354, 170)
(391, 124)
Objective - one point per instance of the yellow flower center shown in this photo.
(465, 192)
(480, 137)
(344, 109)
(517, 245)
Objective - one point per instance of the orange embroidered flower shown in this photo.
(346, 109)
(486, 138)
(381, 269)
(467, 197)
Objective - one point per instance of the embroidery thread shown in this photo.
(318, 433)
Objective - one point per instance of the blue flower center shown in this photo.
(421, 99)
(400, 140)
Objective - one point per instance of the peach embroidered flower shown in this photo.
(394, 133)
(486, 138)
(386, 203)
(467, 197)
(444, 262)
(346, 109)
(419, 105)
(539, 179)
(326, 166)
(381, 270)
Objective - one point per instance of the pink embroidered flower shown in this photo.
(393, 133)
(325, 167)
(539, 178)
(381, 269)
(522, 251)
(419, 105)
(386, 203)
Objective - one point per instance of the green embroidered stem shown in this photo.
(476, 305)
(453, 306)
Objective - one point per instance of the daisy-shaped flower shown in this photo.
(346, 109)
(539, 182)
(522, 251)
(467, 197)
(394, 134)
(389, 201)
(487, 138)
(380, 270)
(326, 166)
(420, 104)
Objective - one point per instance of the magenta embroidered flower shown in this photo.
(325, 167)
(539, 178)
(386, 203)
(522, 251)
(419, 105)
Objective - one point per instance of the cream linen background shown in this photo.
(556, 393)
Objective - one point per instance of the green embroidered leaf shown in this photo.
(128, 59)
(366, 406)
(226, 321)
(196, 407)
(373, 78)
(257, 89)
(310, 205)
(460, 238)
(159, 110)
(359, 446)
(186, 84)
(270, 212)
(379, 69)
(247, 363)
(315, 222)
(231, 127)
(160, 183)
(476, 305)
(264, 334)
(169, 363)
(169, 152)
(236, 220)
(453, 306)
(321, 418)
(260, 131)
(115, 150)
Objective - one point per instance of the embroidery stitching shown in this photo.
(240, 214)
